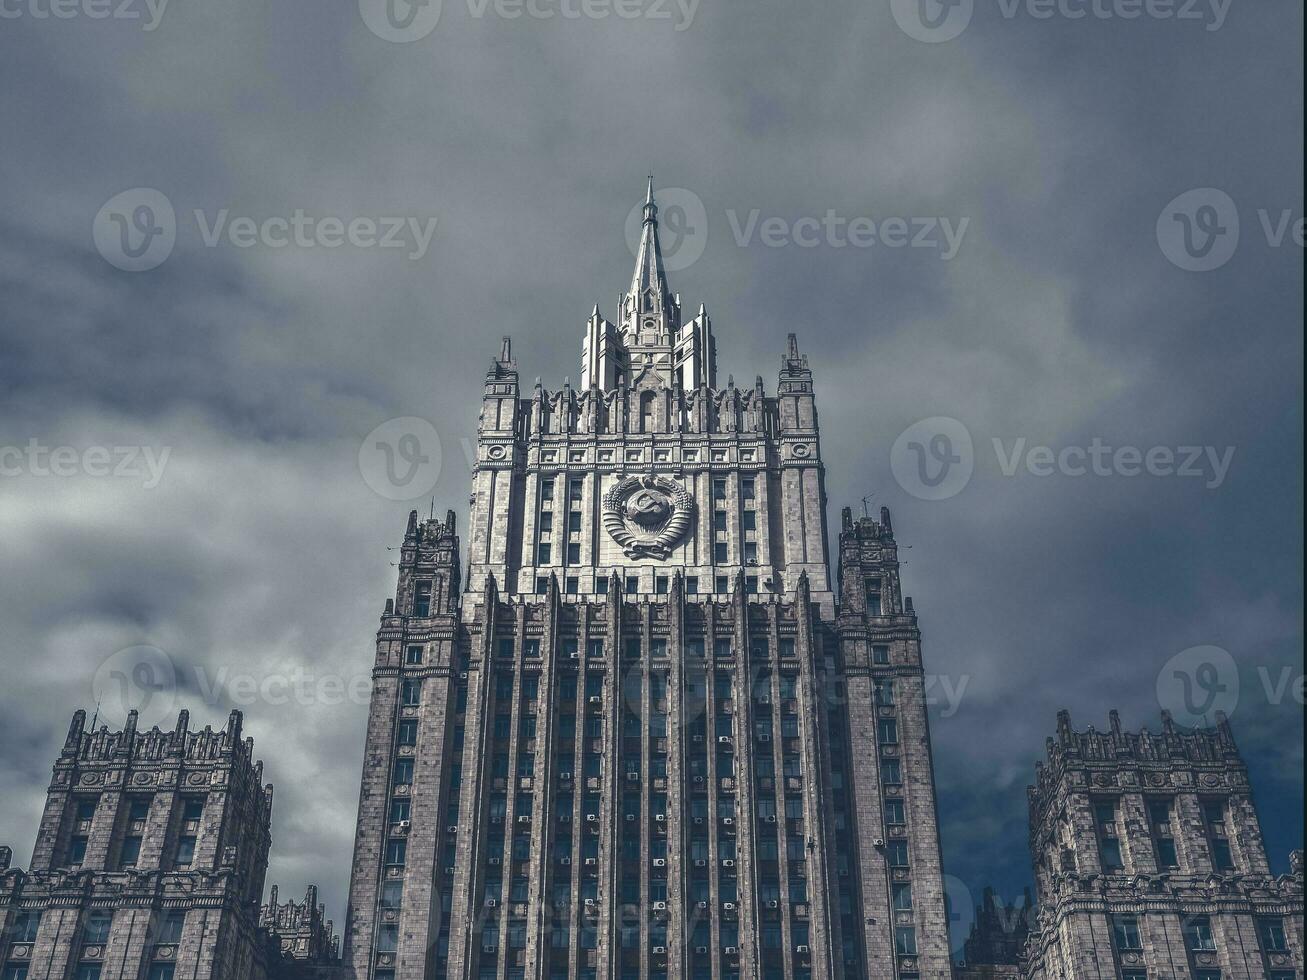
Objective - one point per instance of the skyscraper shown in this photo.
(644, 732)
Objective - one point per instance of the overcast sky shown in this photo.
(1059, 313)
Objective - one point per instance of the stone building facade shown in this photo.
(1149, 862)
(149, 862)
(645, 732)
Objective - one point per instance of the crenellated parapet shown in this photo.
(1185, 756)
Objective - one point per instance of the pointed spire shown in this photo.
(650, 275)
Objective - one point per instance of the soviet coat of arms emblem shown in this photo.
(647, 515)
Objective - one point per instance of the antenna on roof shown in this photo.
(433, 507)
(866, 505)
(96, 717)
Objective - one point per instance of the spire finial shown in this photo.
(648, 197)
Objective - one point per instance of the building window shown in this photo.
(392, 894)
(24, 927)
(1134, 975)
(546, 522)
(1217, 838)
(396, 851)
(719, 489)
(571, 585)
(399, 811)
(1109, 845)
(411, 692)
(185, 852)
(170, 927)
(575, 491)
(719, 520)
(403, 772)
(721, 585)
(1125, 932)
(531, 648)
(902, 896)
(542, 584)
(890, 771)
(873, 597)
(601, 584)
(95, 928)
(905, 941)
(894, 812)
(632, 585)
(692, 585)
(413, 655)
(751, 552)
(751, 584)
(880, 654)
(87, 971)
(1270, 933)
(130, 853)
(543, 554)
(14, 971)
(887, 731)
(422, 599)
(547, 489)
(721, 554)
(885, 693)
(574, 553)
(896, 853)
(1198, 934)
(408, 731)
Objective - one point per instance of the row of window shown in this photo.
(1128, 937)
(130, 834)
(1161, 829)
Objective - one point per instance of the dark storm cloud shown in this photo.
(1059, 320)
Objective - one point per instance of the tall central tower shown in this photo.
(643, 732)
